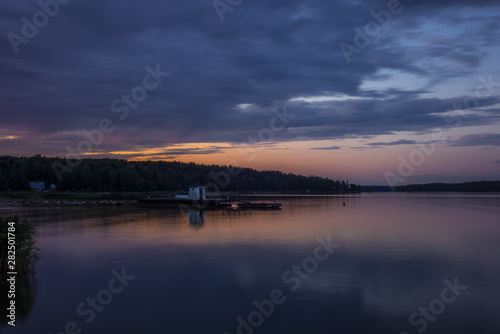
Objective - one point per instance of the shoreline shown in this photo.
(12, 203)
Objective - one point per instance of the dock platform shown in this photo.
(208, 204)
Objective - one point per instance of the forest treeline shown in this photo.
(118, 175)
(477, 186)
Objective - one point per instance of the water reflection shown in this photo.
(396, 253)
(196, 217)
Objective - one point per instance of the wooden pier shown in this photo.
(208, 204)
(178, 202)
(259, 205)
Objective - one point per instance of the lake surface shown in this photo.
(383, 263)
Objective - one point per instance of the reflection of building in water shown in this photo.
(196, 217)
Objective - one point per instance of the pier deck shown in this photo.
(208, 204)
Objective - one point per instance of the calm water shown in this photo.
(396, 253)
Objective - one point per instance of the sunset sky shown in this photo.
(341, 89)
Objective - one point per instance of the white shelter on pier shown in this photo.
(198, 193)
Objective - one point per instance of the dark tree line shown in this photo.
(118, 175)
(477, 186)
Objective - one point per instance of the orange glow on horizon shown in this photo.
(347, 159)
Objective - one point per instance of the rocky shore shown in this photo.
(31, 202)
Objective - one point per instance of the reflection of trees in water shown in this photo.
(26, 288)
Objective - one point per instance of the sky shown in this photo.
(374, 92)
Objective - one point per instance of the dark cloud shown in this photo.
(166, 153)
(397, 142)
(484, 139)
(327, 148)
(65, 78)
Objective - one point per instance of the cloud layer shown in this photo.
(227, 77)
